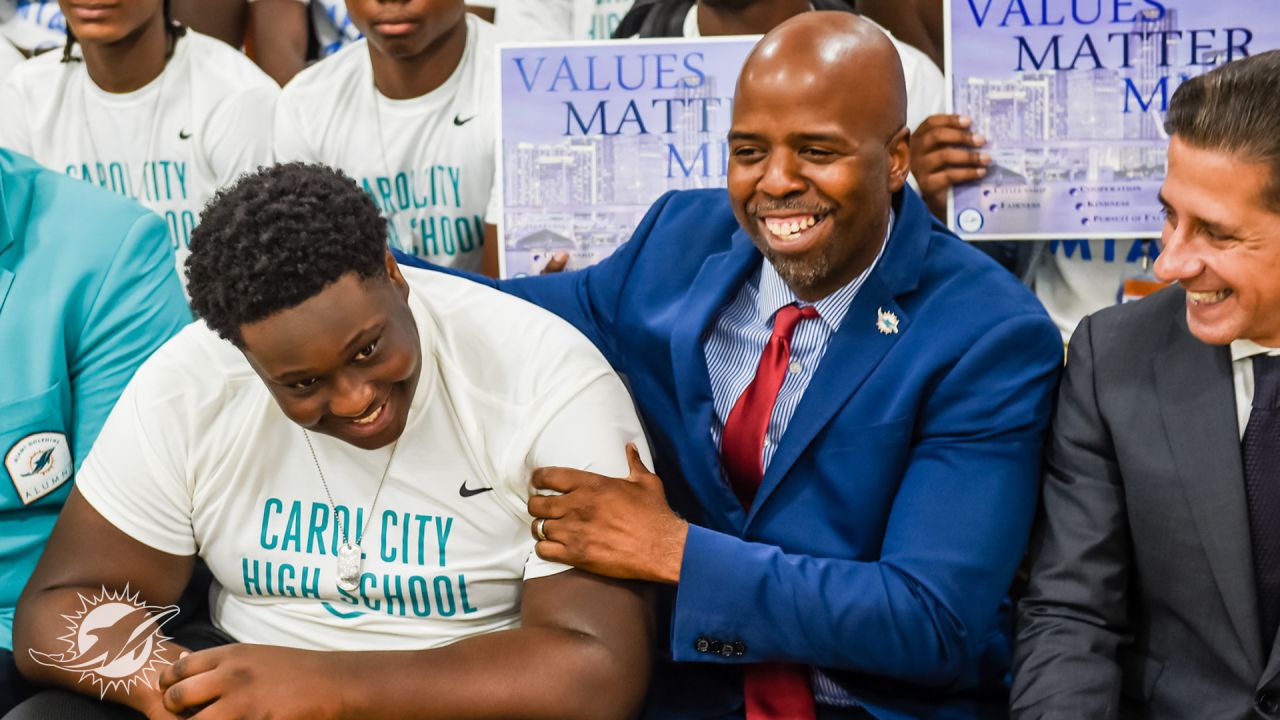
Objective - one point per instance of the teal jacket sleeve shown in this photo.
(138, 306)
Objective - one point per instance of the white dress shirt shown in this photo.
(1242, 352)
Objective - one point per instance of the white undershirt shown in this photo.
(1242, 352)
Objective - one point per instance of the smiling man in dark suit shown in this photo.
(1155, 590)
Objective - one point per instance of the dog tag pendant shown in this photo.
(349, 566)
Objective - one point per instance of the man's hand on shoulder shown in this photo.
(944, 153)
(254, 681)
(617, 527)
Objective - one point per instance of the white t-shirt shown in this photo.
(926, 86)
(1075, 278)
(9, 58)
(550, 20)
(169, 145)
(196, 457)
(428, 162)
(34, 25)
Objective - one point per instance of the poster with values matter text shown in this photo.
(1072, 95)
(593, 133)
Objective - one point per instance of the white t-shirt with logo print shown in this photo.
(428, 162)
(197, 457)
(170, 145)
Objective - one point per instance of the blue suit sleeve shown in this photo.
(138, 306)
(955, 535)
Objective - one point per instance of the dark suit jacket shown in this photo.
(897, 506)
(1141, 601)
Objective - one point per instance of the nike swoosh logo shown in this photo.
(184, 135)
(460, 121)
(467, 492)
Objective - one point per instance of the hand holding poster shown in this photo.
(1071, 96)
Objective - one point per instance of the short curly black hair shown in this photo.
(276, 238)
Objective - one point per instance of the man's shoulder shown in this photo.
(960, 286)
(222, 69)
(486, 34)
(193, 369)
(708, 211)
(502, 344)
(43, 67)
(326, 78)
(86, 222)
(1123, 330)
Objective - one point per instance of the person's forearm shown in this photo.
(527, 673)
(43, 654)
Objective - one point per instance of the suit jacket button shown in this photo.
(702, 645)
(739, 649)
(1267, 702)
(726, 650)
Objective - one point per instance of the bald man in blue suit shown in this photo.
(867, 554)
(87, 292)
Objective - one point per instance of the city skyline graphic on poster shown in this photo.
(593, 133)
(1072, 95)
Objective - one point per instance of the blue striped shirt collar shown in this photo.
(774, 293)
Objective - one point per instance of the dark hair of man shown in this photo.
(1234, 109)
(275, 239)
(174, 28)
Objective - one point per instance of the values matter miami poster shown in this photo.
(1072, 96)
(593, 133)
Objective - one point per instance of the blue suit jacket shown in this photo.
(887, 529)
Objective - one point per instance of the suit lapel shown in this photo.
(851, 355)
(858, 347)
(1197, 403)
(718, 281)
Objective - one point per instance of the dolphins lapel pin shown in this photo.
(886, 322)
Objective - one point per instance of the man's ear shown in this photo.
(393, 272)
(899, 159)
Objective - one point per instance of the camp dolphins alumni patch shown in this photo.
(38, 464)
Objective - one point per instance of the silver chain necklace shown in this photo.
(350, 562)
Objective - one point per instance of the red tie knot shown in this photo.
(788, 316)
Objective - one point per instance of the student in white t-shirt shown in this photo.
(348, 445)
(411, 113)
(153, 112)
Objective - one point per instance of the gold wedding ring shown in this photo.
(540, 529)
